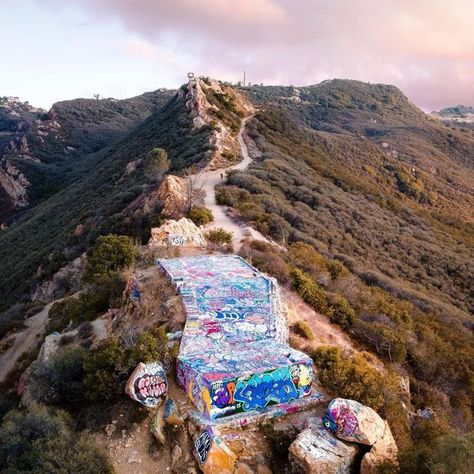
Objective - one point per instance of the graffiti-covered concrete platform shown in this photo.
(234, 355)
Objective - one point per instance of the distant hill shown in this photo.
(40, 151)
(462, 114)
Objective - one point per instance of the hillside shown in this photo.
(42, 152)
(45, 233)
(357, 203)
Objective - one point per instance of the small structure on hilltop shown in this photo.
(181, 233)
(234, 357)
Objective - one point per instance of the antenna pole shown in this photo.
(244, 77)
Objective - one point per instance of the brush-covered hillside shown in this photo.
(42, 152)
(106, 181)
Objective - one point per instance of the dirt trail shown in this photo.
(24, 341)
(210, 179)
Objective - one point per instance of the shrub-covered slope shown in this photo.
(47, 147)
(363, 175)
(42, 239)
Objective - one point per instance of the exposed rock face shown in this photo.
(351, 421)
(67, 279)
(182, 233)
(223, 138)
(14, 184)
(384, 450)
(317, 451)
(172, 196)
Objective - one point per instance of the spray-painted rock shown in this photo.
(147, 384)
(213, 455)
(385, 450)
(317, 451)
(172, 414)
(351, 421)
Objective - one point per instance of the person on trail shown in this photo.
(222, 175)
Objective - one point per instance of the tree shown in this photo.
(219, 236)
(111, 253)
(309, 290)
(192, 189)
(156, 163)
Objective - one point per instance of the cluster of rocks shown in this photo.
(180, 233)
(333, 445)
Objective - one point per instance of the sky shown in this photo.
(52, 50)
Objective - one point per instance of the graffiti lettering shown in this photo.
(203, 445)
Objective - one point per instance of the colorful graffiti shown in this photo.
(133, 289)
(147, 384)
(233, 355)
(341, 421)
(203, 445)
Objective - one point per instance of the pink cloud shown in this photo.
(426, 47)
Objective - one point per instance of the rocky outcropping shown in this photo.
(223, 137)
(317, 451)
(172, 194)
(182, 233)
(65, 280)
(384, 450)
(351, 421)
(14, 184)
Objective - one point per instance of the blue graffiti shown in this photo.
(264, 388)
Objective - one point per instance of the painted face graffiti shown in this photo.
(147, 384)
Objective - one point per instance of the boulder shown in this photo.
(172, 414)
(351, 421)
(385, 450)
(147, 384)
(158, 425)
(317, 451)
(182, 233)
(213, 455)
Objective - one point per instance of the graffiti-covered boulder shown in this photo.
(213, 455)
(147, 384)
(384, 450)
(351, 421)
(182, 233)
(317, 451)
(172, 414)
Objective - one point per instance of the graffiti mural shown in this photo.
(233, 355)
(203, 445)
(147, 384)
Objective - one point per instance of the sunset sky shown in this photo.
(58, 49)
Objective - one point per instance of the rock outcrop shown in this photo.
(173, 196)
(317, 451)
(351, 421)
(384, 450)
(182, 233)
(14, 184)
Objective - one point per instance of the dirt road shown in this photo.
(210, 179)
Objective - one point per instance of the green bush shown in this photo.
(349, 377)
(104, 371)
(62, 313)
(61, 377)
(341, 312)
(303, 329)
(200, 215)
(42, 440)
(219, 236)
(309, 290)
(150, 347)
(111, 254)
